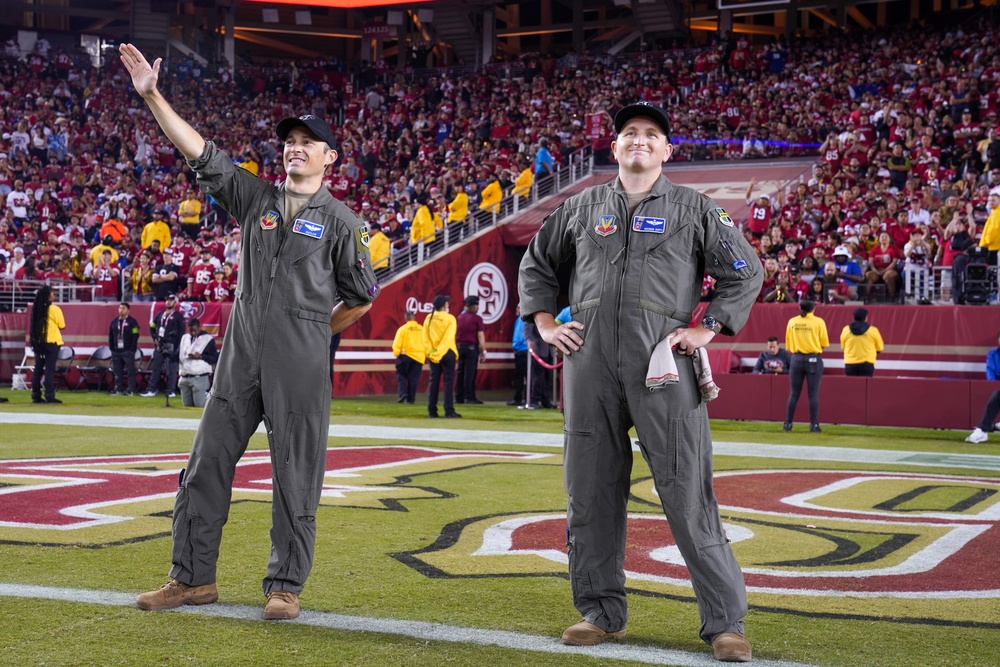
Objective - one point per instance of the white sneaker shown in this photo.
(996, 427)
(171, 395)
(148, 394)
(977, 436)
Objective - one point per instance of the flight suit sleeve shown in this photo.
(235, 188)
(537, 284)
(738, 273)
(356, 282)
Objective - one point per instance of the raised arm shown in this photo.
(144, 79)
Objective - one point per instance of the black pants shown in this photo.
(863, 369)
(808, 367)
(468, 363)
(156, 366)
(123, 363)
(445, 367)
(990, 412)
(45, 367)
(407, 377)
(520, 375)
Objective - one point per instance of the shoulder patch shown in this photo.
(361, 238)
(724, 217)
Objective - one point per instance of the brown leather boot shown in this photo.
(586, 633)
(281, 605)
(731, 647)
(173, 594)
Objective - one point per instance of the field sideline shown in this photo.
(442, 545)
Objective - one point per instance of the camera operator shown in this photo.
(166, 329)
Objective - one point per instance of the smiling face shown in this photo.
(305, 156)
(641, 146)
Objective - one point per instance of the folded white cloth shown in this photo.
(663, 369)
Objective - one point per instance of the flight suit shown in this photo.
(274, 366)
(634, 281)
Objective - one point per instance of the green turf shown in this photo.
(356, 573)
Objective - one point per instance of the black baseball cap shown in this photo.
(648, 109)
(318, 127)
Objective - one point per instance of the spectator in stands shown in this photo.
(458, 208)
(140, 277)
(775, 360)
(845, 269)
(884, 260)
(157, 229)
(408, 348)
(917, 255)
(861, 343)
(123, 339)
(166, 277)
(45, 338)
(805, 338)
(439, 341)
(108, 243)
(189, 214)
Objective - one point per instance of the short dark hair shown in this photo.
(194, 321)
(772, 339)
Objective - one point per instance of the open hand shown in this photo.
(144, 77)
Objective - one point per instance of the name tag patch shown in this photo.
(306, 228)
(642, 223)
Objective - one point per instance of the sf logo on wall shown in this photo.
(487, 281)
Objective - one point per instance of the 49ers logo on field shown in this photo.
(110, 499)
(909, 544)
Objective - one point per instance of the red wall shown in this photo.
(915, 402)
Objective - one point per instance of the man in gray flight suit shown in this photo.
(641, 246)
(302, 251)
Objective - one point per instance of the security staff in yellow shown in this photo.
(641, 246)
(805, 338)
(304, 272)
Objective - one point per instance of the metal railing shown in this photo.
(579, 166)
(17, 295)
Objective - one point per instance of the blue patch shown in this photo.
(374, 290)
(641, 223)
(306, 228)
(740, 264)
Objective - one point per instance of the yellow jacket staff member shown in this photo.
(458, 208)
(409, 340)
(806, 333)
(379, 247)
(805, 338)
(522, 186)
(861, 343)
(408, 348)
(440, 328)
(424, 225)
(991, 228)
(491, 196)
(45, 337)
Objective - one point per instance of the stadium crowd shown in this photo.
(903, 121)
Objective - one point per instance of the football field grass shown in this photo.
(443, 543)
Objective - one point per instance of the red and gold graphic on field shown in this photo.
(908, 544)
(104, 500)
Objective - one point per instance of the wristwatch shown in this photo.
(711, 323)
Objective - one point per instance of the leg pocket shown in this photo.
(681, 468)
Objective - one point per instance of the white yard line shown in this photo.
(549, 440)
(414, 629)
